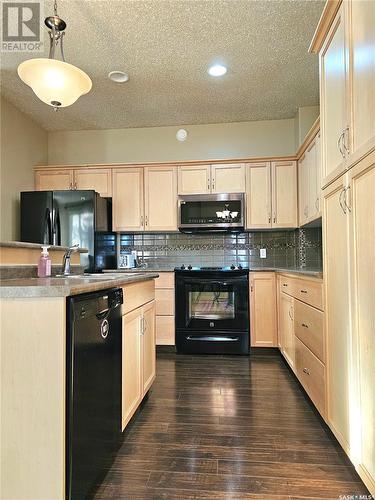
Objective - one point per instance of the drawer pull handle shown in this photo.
(303, 291)
(285, 284)
(305, 370)
(304, 325)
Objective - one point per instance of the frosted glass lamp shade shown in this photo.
(55, 82)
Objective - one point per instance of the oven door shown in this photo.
(212, 304)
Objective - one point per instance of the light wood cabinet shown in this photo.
(228, 178)
(271, 195)
(138, 348)
(128, 199)
(258, 196)
(215, 178)
(263, 318)
(132, 390)
(360, 200)
(303, 187)
(308, 327)
(333, 98)
(194, 179)
(160, 193)
(98, 179)
(53, 180)
(284, 194)
(148, 346)
(286, 327)
(164, 295)
(337, 309)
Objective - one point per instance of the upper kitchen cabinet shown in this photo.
(228, 178)
(54, 180)
(258, 196)
(333, 96)
(347, 90)
(271, 195)
(194, 179)
(309, 191)
(160, 188)
(284, 194)
(99, 179)
(128, 199)
(145, 199)
(216, 178)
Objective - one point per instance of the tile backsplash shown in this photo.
(299, 248)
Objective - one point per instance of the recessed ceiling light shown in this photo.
(217, 70)
(118, 76)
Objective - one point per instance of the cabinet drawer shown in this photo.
(286, 284)
(164, 302)
(165, 330)
(308, 326)
(165, 280)
(311, 373)
(137, 294)
(310, 292)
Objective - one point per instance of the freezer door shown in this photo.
(36, 216)
(73, 221)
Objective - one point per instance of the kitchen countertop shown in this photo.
(64, 287)
(314, 273)
(22, 244)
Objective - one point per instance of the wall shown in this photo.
(23, 145)
(304, 120)
(204, 142)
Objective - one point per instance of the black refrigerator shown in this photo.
(68, 218)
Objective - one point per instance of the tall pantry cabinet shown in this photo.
(345, 41)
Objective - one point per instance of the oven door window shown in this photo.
(211, 304)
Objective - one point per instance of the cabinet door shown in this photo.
(286, 327)
(362, 73)
(284, 194)
(99, 179)
(132, 390)
(337, 310)
(127, 205)
(313, 208)
(161, 198)
(333, 98)
(53, 180)
(228, 178)
(263, 331)
(148, 345)
(258, 195)
(303, 180)
(194, 179)
(362, 232)
(318, 156)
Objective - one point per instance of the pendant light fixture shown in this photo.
(55, 82)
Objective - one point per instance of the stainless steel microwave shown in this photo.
(211, 212)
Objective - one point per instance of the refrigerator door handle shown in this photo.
(53, 223)
(47, 227)
(58, 228)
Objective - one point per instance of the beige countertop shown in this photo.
(315, 273)
(22, 244)
(64, 287)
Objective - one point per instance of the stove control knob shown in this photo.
(189, 267)
(233, 267)
(183, 266)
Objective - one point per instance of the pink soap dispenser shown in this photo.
(44, 264)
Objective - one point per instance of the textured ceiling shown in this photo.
(166, 46)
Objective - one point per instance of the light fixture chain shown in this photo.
(55, 7)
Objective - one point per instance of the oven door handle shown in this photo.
(205, 281)
(212, 338)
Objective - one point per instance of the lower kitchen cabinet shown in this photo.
(138, 348)
(286, 327)
(263, 320)
(164, 295)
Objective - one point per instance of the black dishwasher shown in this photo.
(93, 387)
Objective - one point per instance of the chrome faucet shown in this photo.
(66, 259)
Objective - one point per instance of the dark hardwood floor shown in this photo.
(224, 427)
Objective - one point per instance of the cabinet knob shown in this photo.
(306, 370)
(304, 325)
(303, 291)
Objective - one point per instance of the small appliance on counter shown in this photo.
(212, 310)
(127, 260)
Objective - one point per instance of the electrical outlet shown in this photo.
(263, 253)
